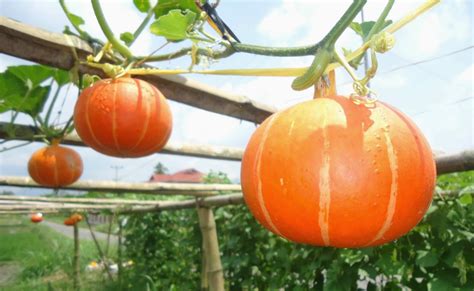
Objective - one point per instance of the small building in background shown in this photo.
(183, 176)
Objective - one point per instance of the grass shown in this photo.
(43, 255)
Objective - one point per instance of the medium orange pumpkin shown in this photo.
(55, 166)
(328, 172)
(123, 117)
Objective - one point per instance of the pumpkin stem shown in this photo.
(55, 141)
(325, 86)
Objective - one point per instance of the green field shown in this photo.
(35, 257)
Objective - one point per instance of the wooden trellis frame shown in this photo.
(26, 132)
(57, 50)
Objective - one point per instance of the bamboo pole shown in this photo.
(26, 132)
(220, 200)
(191, 189)
(76, 265)
(460, 162)
(214, 201)
(110, 201)
(99, 249)
(215, 274)
(58, 50)
(119, 252)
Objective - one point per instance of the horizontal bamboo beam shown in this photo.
(26, 132)
(57, 50)
(111, 201)
(460, 162)
(197, 190)
(215, 201)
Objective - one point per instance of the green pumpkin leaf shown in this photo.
(165, 6)
(466, 199)
(174, 25)
(142, 5)
(364, 28)
(76, 20)
(355, 26)
(32, 76)
(15, 95)
(61, 77)
(426, 258)
(127, 38)
(11, 87)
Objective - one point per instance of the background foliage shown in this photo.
(437, 255)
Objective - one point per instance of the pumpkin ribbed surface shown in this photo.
(55, 166)
(328, 172)
(123, 117)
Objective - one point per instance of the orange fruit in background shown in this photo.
(55, 166)
(123, 117)
(328, 172)
(76, 217)
(69, 221)
(36, 217)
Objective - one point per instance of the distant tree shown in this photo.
(160, 169)
(216, 177)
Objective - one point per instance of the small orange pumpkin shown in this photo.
(328, 172)
(123, 117)
(55, 166)
(76, 217)
(69, 221)
(36, 217)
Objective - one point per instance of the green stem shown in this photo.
(51, 105)
(276, 51)
(108, 32)
(375, 29)
(81, 32)
(142, 25)
(66, 127)
(346, 19)
(323, 54)
(346, 65)
(381, 20)
(238, 48)
(214, 54)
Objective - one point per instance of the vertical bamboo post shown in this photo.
(119, 251)
(76, 267)
(215, 274)
(204, 268)
(99, 249)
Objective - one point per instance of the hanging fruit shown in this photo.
(36, 217)
(55, 166)
(73, 219)
(123, 117)
(329, 172)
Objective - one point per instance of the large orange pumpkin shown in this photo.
(55, 166)
(328, 172)
(123, 117)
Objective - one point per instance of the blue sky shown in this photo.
(437, 94)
